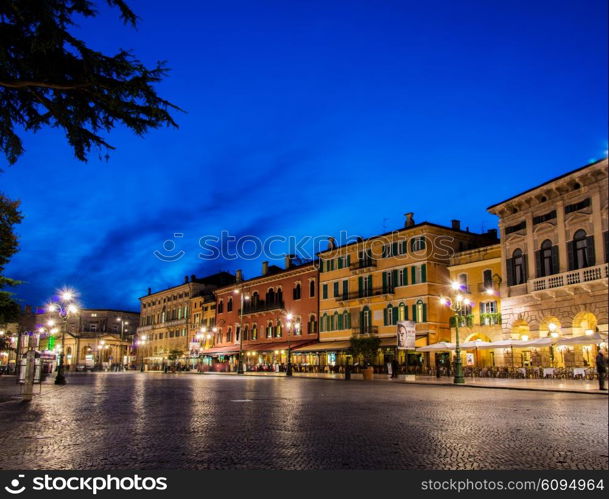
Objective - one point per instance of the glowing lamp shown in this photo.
(455, 285)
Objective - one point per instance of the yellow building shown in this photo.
(367, 286)
(202, 321)
(478, 271)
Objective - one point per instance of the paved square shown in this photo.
(156, 421)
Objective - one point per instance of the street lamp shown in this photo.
(123, 324)
(140, 343)
(291, 325)
(65, 307)
(244, 298)
(457, 303)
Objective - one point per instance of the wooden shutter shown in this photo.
(336, 289)
(404, 247)
(510, 271)
(424, 312)
(571, 254)
(606, 241)
(384, 282)
(424, 272)
(345, 288)
(394, 279)
(525, 266)
(360, 290)
(413, 273)
(348, 260)
(590, 253)
(370, 285)
(385, 316)
(395, 315)
(405, 271)
(394, 248)
(539, 263)
(414, 313)
(555, 261)
(325, 290)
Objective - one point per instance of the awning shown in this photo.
(227, 350)
(270, 346)
(324, 346)
(583, 340)
(441, 346)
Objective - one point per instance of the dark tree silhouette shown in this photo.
(48, 77)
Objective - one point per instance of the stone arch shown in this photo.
(584, 321)
(477, 336)
(550, 324)
(520, 327)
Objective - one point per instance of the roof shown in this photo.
(273, 270)
(218, 279)
(548, 182)
(485, 235)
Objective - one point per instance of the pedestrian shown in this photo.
(395, 367)
(601, 369)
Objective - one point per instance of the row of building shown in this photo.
(545, 272)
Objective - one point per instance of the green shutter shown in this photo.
(346, 288)
(394, 248)
(424, 272)
(335, 289)
(424, 312)
(405, 312)
(404, 247)
(405, 272)
(394, 279)
(384, 282)
(360, 291)
(395, 315)
(414, 313)
(370, 285)
(348, 260)
(325, 290)
(413, 274)
(385, 315)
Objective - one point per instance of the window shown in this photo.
(365, 321)
(346, 320)
(488, 314)
(229, 305)
(544, 218)
(336, 289)
(279, 329)
(220, 308)
(581, 251)
(311, 288)
(254, 334)
(365, 286)
(516, 268)
(547, 259)
(419, 273)
(417, 244)
(391, 315)
(92, 327)
(419, 311)
(229, 335)
(269, 330)
(402, 312)
(577, 206)
(345, 289)
(296, 292)
(462, 280)
(324, 291)
(312, 324)
(515, 228)
(487, 279)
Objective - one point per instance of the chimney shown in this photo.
(409, 222)
(238, 275)
(455, 224)
(192, 278)
(185, 279)
(492, 233)
(149, 291)
(288, 261)
(265, 268)
(331, 243)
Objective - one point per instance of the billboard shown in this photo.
(406, 335)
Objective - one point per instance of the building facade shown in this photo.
(165, 335)
(367, 286)
(265, 318)
(97, 338)
(554, 254)
(478, 272)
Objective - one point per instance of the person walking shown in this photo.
(601, 369)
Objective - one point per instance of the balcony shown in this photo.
(363, 294)
(579, 277)
(365, 330)
(363, 265)
(262, 306)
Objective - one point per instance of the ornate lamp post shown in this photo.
(291, 326)
(244, 298)
(140, 344)
(457, 303)
(65, 307)
(123, 330)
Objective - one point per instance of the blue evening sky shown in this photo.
(306, 118)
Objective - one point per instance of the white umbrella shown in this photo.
(583, 340)
(539, 342)
(474, 344)
(437, 347)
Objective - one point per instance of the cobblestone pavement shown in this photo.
(156, 421)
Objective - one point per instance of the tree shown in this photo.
(366, 346)
(48, 77)
(9, 216)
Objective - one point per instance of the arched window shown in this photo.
(270, 297)
(518, 273)
(346, 320)
(297, 327)
(312, 324)
(417, 243)
(255, 300)
(487, 278)
(365, 321)
(229, 335)
(462, 280)
(402, 312)
(279, 297)
(421, 311)
(337, 321)
(229, 305)
(254, 334)
(324, 323)
(547, 257)
(311, 288)
(245, 333)
(220, 307)
(269, 330)
(296, 292)
(279, 329)
(581, 251)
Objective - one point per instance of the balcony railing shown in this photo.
(262, 306)
(579, 276)
(363, 264)
(364, 293)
